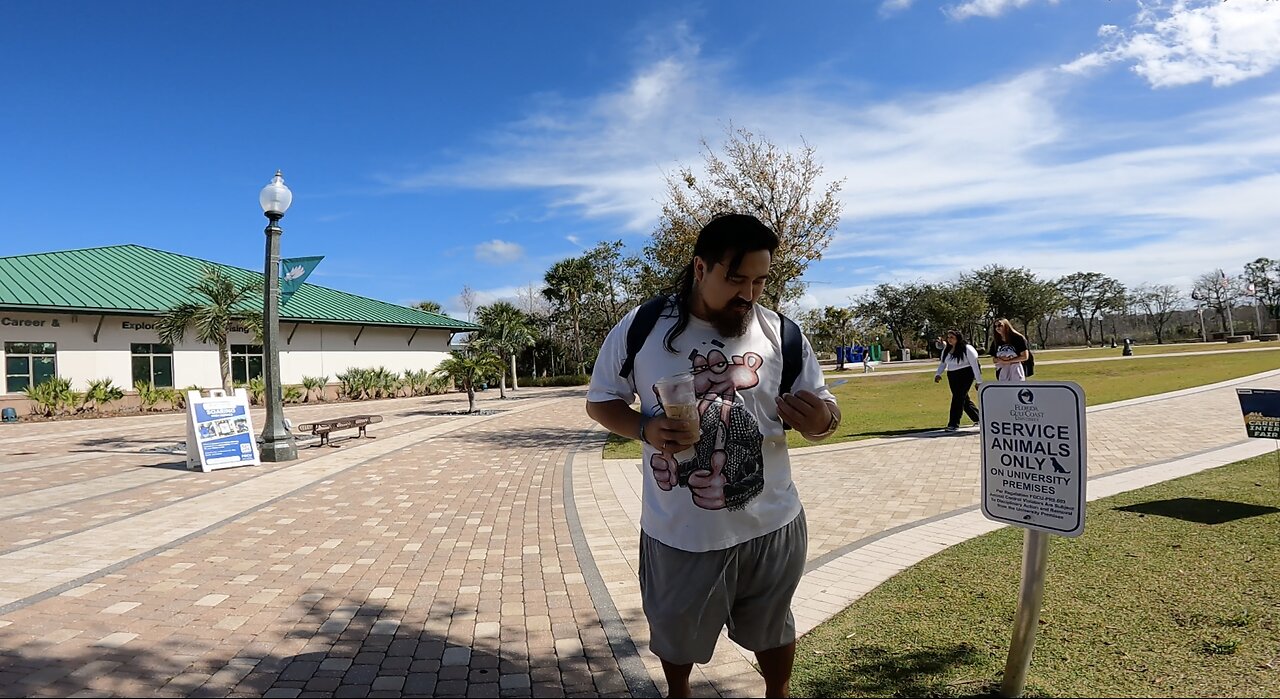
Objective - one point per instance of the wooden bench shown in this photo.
(323, 428)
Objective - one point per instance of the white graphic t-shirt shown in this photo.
(735, 484)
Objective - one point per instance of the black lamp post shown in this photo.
(277, 442)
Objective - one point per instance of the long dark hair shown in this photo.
(959, 348)
(725, 233)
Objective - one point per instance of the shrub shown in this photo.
(52, 397)
(314, 383)
(293, 393)
(556, 381)
(101, 392)
(417, 383)
(180, 397)
(362, 384)
(257, 388)
(148, 394)
(439, 384)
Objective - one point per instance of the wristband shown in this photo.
(644, 420)
(831, 427)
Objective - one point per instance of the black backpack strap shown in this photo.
(792, 356)
(641, 326)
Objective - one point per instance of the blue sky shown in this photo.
(432, 145)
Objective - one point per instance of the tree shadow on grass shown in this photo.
(1200, 510)
(868, 670)
(916, 432)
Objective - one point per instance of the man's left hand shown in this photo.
(805, 412)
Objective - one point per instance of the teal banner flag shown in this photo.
(293, 272)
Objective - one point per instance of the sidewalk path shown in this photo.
(487, 555)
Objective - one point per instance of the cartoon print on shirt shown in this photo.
(727, 470)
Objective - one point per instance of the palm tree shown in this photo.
(467, 370)
(507, 331)
(223, 305)
(566, 283)
(429, 306)
(841, 323)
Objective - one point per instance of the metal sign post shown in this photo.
(1035, 561)
(1034, 471)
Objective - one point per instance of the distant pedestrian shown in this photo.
(1009, 350)
(960, 361)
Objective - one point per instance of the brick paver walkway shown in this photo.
(457, 556)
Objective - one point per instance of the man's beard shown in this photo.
(732, 320)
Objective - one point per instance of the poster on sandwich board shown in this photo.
(220, 431)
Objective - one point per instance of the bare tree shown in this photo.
(1219, 292)
(532, 301)
(468, 299)
(756, 177)
(1160, 301)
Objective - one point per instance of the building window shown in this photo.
(246, 363)
(27, 364)
(153, 364)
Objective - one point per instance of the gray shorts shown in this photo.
(689, 597)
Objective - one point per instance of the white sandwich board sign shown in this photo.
(220, 431)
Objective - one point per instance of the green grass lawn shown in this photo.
(887, 404)
(1171, 591)
(1141, 350)
(1083, 353)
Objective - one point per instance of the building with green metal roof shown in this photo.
(89, 314)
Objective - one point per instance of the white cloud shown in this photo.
(499, 252)
(934, 183)
(889, 7)
(483, 297)
(987, 8)
(1189, 41)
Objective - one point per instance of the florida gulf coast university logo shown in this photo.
(1025, 408)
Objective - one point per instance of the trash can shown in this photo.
(906, 355)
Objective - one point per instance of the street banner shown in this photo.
(293, 272)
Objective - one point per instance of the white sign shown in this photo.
(1033, 455)
(220, 431)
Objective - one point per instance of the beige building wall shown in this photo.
(314, 350)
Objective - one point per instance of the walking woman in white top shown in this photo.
(960, 361)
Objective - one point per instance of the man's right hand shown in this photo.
(937, 378)
(671, 436)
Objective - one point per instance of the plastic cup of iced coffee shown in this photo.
(679, 402)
